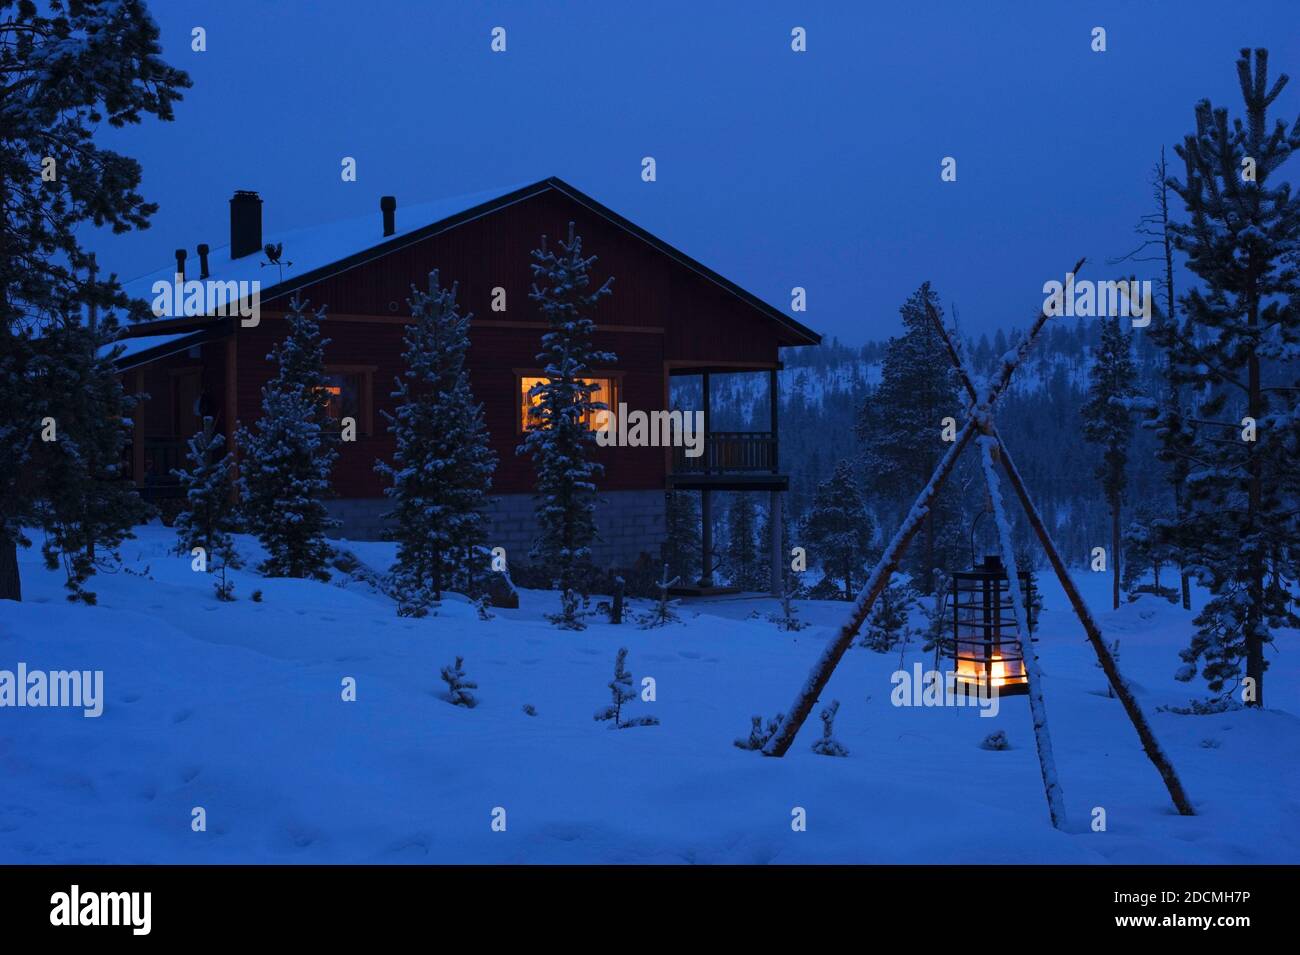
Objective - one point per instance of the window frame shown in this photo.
(615, 379)
(365, 394)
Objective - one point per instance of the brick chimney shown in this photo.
(388, 205)
(245, 223)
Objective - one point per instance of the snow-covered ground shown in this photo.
(237, 708)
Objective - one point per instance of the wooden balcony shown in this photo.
(731, 460)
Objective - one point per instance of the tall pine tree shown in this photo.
(559, 439)
(838, 529)
(1108, 420)
(743, 561)
(681, 546)
(1240, 349)
(286, 461)
(209, 518)
(1157, 245)
(442, 467)
(87, 506)
(65, 70)
(900, 424)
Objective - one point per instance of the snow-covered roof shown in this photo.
(314, 247)
(133, 346)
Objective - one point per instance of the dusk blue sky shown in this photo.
(777, 169)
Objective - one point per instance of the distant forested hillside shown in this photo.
(824, 391)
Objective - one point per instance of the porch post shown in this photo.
(774, 530)
(706, 497)
(774, 400)
(708, 424)
(706, 537)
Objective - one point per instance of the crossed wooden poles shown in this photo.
(980, 426)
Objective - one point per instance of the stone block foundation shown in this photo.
(629, 522)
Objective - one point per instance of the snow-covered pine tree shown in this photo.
(828, 745)
(758, 736)
(458, 688)
(838, 529)
(621, 692)
(889, 623)
(898, 425)
(69, 71)
(1145, 551)
(88, 507)
(681, 546)
(765, 540)
(208, 517)
(1157, 245)
(745, 569)
(1108, 420)
(286, 462)
(560, 438)
(442, 466)
(938, 620)
(1239, 349)
(16, 501)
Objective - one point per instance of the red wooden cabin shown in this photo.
(668, 316)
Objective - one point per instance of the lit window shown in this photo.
(602, 391)
(343, 391)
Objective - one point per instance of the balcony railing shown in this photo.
(730, 452)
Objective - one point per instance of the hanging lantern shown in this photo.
(987, 647)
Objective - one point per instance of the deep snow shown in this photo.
(237, 708)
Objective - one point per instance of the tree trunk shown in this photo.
(1114, 550)
(1255, 624)
(1185, 579)
(11, 585)
(929, 554)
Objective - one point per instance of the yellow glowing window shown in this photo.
(602, 391)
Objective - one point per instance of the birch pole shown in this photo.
(1107, 660)
(1122, 690)
(807, 696)
(988, 446)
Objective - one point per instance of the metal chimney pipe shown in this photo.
(388, 205)
(203, 260)
(180, 262)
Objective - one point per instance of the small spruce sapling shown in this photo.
(458, 688)
(568, 618)
(788, 616)
(888, 624)
(758, 736)
(662, 613)
(621, 692)
(828, 745)
(937, 627)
